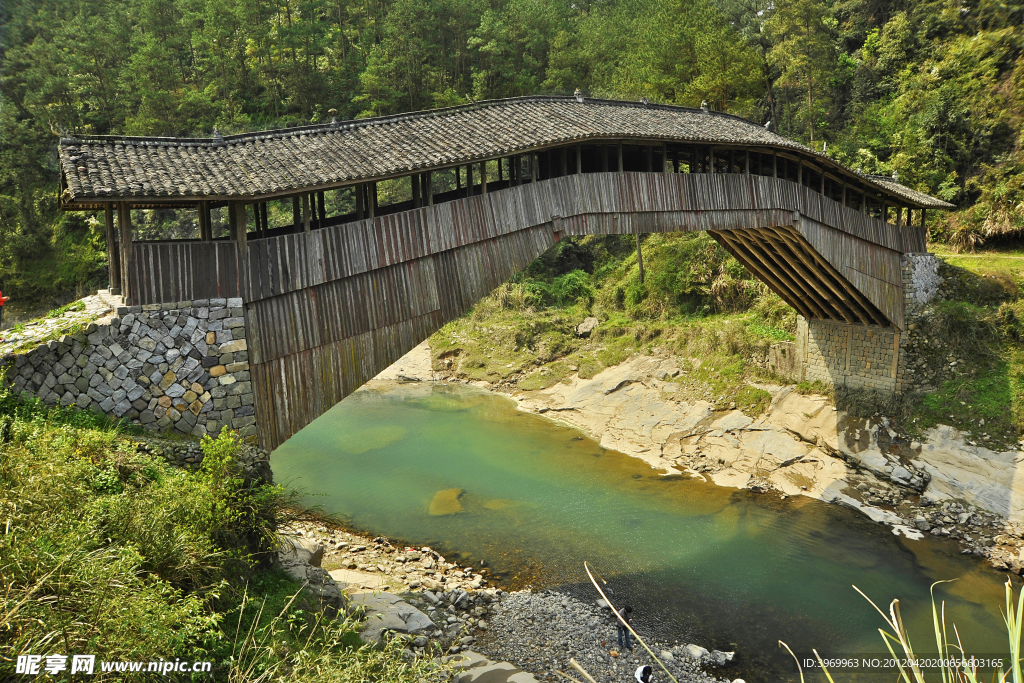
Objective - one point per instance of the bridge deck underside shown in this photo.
(329, 309)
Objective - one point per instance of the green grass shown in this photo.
(109, 550)
(74, 306)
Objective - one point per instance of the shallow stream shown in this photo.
(723, 568)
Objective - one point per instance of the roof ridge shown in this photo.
(277, 133)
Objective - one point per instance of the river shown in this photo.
(723, 568)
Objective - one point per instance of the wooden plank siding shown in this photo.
(329, 309)
(162, 272)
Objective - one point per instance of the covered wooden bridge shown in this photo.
(395, 225)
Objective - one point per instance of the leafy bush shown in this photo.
(573, 287)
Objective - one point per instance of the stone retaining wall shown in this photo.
(857, 356)
(865, 356)
(182, 366)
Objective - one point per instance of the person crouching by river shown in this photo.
(627, 616)
(3, 300)
(644, 674)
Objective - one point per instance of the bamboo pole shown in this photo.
(626, 624)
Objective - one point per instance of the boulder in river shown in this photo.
(696, 651)
(719, 658)
(446, 502)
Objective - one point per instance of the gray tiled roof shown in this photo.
(278, 162)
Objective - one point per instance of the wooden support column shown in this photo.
(124, 219)
(822, 190)
(534, 167)
(899, 216)
(205, 229)
(372, 199)
(800, 173)
(579, 158)
(242, 244)
(732, 160)
(360, 201)
(469, 180)
(694, 167)
(664, 159)
(113, 262)
(297, 211)
(923, 223)
(305, 212)
(711, 156)
(775, 164)
(429, 187)
(746, 166)
(321, 205)
(483, 177)
(844, 194)
(414, 181)
(675, 159)
(620, 163)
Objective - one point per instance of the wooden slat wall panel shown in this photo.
(163, 272)
(309, 349)
(877, 268)
(294, 390)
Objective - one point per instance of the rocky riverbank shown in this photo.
(943, 483)
(540, 632)
(447, 608)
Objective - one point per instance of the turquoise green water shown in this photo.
(723, 568)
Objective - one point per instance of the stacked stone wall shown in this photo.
(856, 356)
(182, 366)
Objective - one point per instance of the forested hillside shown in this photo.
(930, 90)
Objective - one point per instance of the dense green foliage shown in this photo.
(107, 550)
(931, 90)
